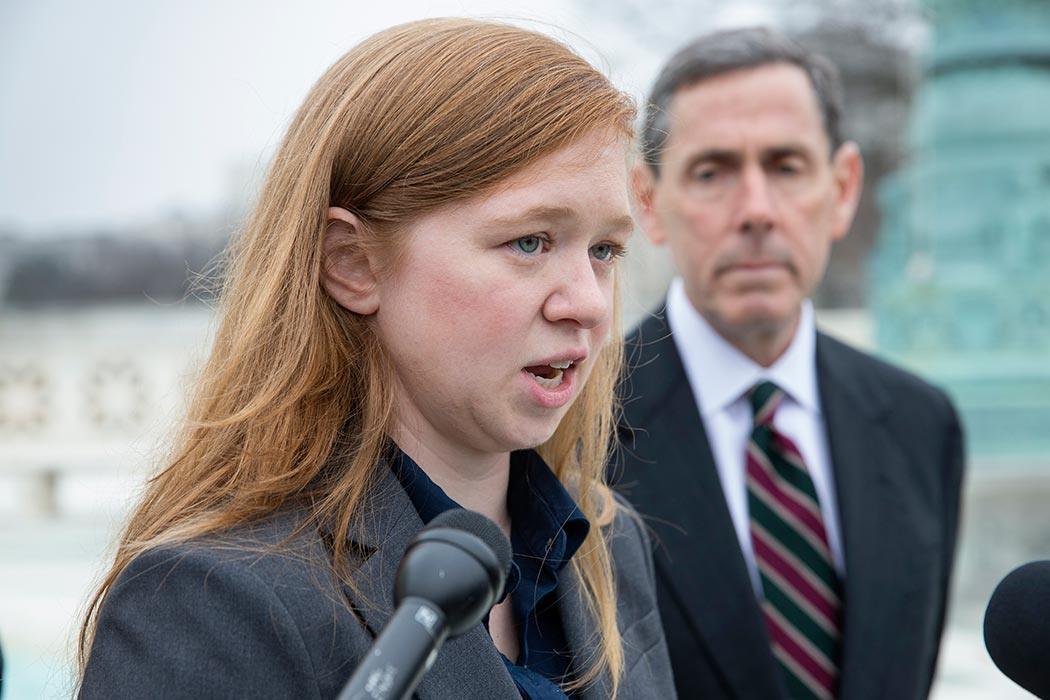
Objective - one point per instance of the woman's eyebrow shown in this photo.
(620, 223)
(558, 213)
(543, 212)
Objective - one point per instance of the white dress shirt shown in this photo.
(720, 376)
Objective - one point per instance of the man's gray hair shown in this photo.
(727, 51)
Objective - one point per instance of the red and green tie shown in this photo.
(803, 604)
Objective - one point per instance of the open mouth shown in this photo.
(550, 376)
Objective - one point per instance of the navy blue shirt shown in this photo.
(546, 529)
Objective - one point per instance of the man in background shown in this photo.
(805, 495)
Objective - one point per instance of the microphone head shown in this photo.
(476, 524)
(458, 562)
(1017, 627)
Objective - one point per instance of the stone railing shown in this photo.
(83, 391)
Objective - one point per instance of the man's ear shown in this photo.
(848, 171)
(347, 272)
(643, 189)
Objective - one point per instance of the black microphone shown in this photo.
(449, 578)
(1017, 627)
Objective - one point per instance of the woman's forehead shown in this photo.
(587, 173)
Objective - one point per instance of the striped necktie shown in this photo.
(802, 604)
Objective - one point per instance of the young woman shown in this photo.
(420, 314)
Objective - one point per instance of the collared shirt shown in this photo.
(547, 528)
(720, 376)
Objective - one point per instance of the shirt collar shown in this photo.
(429, 499)
(542, 513)
(720, 374)
(546, 523)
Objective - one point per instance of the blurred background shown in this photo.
(134, 135)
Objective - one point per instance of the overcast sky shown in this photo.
(116, 112)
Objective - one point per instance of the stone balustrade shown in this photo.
(91, 391)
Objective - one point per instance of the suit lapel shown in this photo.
(467, 666)
(579, 626)
(708, 576)
(864, 458)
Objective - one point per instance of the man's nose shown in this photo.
(756, 206)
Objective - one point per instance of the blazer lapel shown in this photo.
(467, 666)
(864, 458)
(579, 626)
(708, 575)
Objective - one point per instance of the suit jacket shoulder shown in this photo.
(884, 382)
(249, 613)
(256, 612)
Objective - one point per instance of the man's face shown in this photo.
(749, 198)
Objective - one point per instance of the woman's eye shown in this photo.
(528, 244)
(606, 252)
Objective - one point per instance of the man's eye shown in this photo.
(528, 244)
(705, 175)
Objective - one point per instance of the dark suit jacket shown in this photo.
(896, 452)
(235, 617)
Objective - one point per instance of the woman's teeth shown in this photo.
(550, 376)
(553, 381)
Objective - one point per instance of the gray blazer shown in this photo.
(235, 617)
(897, 454)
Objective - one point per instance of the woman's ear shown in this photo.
(347, 272)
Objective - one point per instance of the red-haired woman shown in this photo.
(420, 314)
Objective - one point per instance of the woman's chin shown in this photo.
(532, 434)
